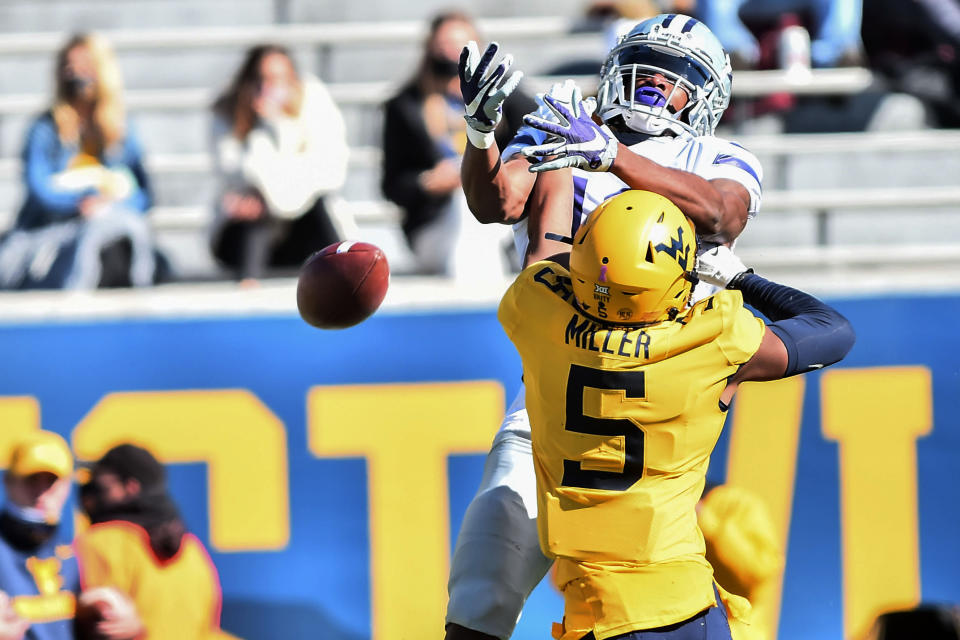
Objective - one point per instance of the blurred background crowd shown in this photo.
(132, 571)
(129, 161)
(150, 142)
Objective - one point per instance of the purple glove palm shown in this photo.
(575, 141)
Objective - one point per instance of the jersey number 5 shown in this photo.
(632, 384)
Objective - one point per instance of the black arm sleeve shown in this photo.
(814, 333)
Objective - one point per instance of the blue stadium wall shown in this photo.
(328, 472)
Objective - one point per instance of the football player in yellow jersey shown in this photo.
(627, 390)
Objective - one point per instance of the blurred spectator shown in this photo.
(39, 579)
(138, 544)
(614, 18)
(742, 547)
(82, 224)
(833, 25)
(423, 141)
(915, 45)
(927, 621)
(279, 145)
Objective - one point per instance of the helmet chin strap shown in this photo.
(654, 125)
(642, 123)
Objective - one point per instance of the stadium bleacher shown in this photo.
(213, 368)
(829, 199)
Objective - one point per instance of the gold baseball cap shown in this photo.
(41, 451)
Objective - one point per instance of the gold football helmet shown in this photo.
(633, 261)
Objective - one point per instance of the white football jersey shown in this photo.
(706, 156)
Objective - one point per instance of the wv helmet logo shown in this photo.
(676, 249)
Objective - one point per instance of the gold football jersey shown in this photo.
(623, 423)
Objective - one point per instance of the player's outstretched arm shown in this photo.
(496, 191)
(806, 334)
(549, 216)
(717, 207)
(577, 139)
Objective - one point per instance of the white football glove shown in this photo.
(484, 91)
(565, 92)
(719, 266)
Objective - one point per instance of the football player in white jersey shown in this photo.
(663, 89)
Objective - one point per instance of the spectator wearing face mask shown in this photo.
(424, 136)
(280, 148)
(83, 222)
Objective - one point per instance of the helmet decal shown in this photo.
(632, 259)
(675, 248)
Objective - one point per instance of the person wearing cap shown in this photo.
(39, 574)
(39, 577)
(138, 543)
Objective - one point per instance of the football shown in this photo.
(342, 285)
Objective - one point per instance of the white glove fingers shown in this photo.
(590, 105)
(540, 150)
(506, 63)
(508, 86)
(576, 97)
(719, 266)
(562, 90)
(468, 60)
(559, 163)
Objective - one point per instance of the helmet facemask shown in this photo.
(647, 110)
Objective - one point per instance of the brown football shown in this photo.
(342, 285)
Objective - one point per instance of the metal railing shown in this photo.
(366, 94)
(823, 204)
(379, 212)
(292, 35)
(785, 145)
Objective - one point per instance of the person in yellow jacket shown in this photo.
(138, 544)
(743, 549)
